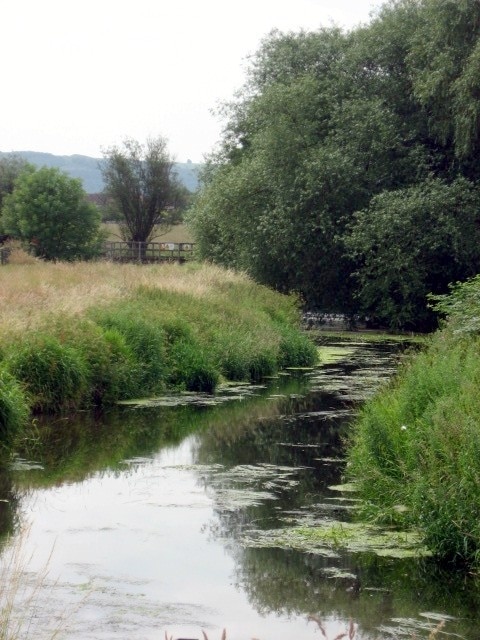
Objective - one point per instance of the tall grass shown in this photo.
(13, 406)
(415, 449)
(75, 335)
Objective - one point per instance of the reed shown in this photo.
(23, 596)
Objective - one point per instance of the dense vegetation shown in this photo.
(416, 446)
(49, 212)
(82, 335)
(348, 167)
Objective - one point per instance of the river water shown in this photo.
(185, 513)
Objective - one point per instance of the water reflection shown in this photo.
(151, 509)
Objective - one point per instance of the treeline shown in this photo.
(348, 167)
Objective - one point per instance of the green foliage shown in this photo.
(330, 124)
(49, 211)
(11, 166)
(188, 366)
(143, 338)
(154, 340)
(14, 407)
(416, 446)
(112, 369)
(296, 350)
(142, 188)
(411, 242)
(55, 376)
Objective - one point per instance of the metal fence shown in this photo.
(148, 251)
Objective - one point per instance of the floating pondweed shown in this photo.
(329, 538)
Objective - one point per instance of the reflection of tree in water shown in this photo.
(306, 434)
(8, 505)
(367, 589)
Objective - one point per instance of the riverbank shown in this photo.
(79, 335)
(415, 449)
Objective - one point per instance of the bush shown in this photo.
(55, 376)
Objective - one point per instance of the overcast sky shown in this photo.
(79, 76)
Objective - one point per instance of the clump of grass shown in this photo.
(18, 255)
(415, 449)
(111, 366)
(145, 340)
(14, 407)
(189, 367)
(296, 350)
(55, 376)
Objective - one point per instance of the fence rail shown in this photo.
(148, 251)
(137, 252)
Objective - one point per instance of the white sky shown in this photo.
(79, 76)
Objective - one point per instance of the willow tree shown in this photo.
(142, 187)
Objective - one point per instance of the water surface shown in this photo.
(169, 516)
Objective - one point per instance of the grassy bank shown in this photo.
(415, 450)
(77, 335)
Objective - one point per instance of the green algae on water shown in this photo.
(332, 354)
(330, 538)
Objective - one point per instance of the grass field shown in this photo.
(178, 233)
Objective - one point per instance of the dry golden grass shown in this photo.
(30, 294)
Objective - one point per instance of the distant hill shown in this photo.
(88, 169)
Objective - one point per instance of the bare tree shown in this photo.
(142, 186)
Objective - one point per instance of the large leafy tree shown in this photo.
(305, 146)
(412, 242)
(11, 166)
(49, 211)
(329, 124)
(142, 187)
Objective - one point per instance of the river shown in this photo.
(191, 513)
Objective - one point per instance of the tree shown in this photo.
(49, 210)
(142, 186)
(410, 243)
(11, 166)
